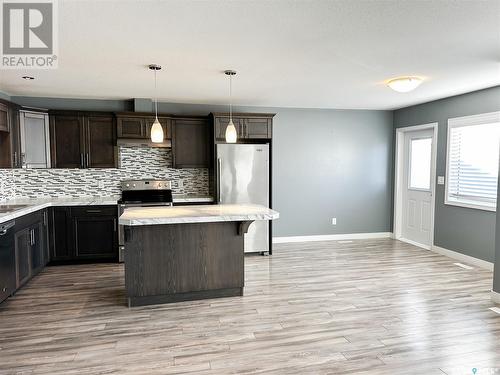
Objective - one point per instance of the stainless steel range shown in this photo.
(142, 193)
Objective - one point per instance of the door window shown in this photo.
(420, 164)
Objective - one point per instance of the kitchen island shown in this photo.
(177, 254)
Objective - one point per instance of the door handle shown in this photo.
(219, 170)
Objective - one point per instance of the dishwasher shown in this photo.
(7, 260)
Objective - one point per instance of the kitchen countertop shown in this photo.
(34, 205)
(135, 216)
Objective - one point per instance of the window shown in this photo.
(420, 163)
(472, 164)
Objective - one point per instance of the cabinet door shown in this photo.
(7, 264)
(191, 143)
(131, 127)
(66, 132)
(35, 145)
(22, 241)
(60, 234)
(257, 128)
(100, 142)
(4, 118)
(15, 138)
(37, 248)
(95, 233)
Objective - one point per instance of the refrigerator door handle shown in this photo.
(219, 170)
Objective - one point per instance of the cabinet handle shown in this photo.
(81, 161)
(219, 169)
(114, 224)
(94, 211)
(88, 161)
(32, 240)
(15, 159)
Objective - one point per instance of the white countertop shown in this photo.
(196, 214)
(34, 205)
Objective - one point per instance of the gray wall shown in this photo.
(4, 96)
(327, 163)
(78, 104)
(469, 231)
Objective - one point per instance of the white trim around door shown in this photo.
(399, 178)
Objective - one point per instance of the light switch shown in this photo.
(440, 180)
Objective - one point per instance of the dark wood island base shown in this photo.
(181, 262)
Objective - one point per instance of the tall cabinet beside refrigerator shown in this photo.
(243, 173)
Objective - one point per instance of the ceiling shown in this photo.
(307, 54)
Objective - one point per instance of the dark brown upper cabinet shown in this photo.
(131, 127)
(100, 142)
(10, 145)
(191, 143)
(4, 118)
(249, 126)
(83, 140)
(136, 128)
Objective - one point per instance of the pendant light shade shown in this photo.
(231, 133)
(156, 132)
(156, 128)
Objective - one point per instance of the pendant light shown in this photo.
(231, 134)
(156, 128)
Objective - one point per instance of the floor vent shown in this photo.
(464, 266)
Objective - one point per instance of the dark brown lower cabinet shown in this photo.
(95, 233)
(30, 242)
(84, 233)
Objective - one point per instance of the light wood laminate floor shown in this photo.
(366, 307)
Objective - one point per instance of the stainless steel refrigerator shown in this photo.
(243, 177)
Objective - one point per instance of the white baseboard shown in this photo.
(495, 297)
(463, 258)
(414, 243)
(333, 237)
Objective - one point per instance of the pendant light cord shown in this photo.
(231, 97)
(156, 99)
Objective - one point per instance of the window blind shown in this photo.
(473, 153)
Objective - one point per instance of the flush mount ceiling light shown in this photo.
(28, 78)
(404, 84)
(156, 128)
(231, 135)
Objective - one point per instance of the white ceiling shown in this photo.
(310, 54)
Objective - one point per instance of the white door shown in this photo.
(417, 187)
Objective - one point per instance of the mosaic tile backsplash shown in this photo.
(135, 163)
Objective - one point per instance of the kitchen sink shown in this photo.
(6, 208)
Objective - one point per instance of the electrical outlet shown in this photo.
(440, 180)
(334, 221)
(180, 183)
(101, 184)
